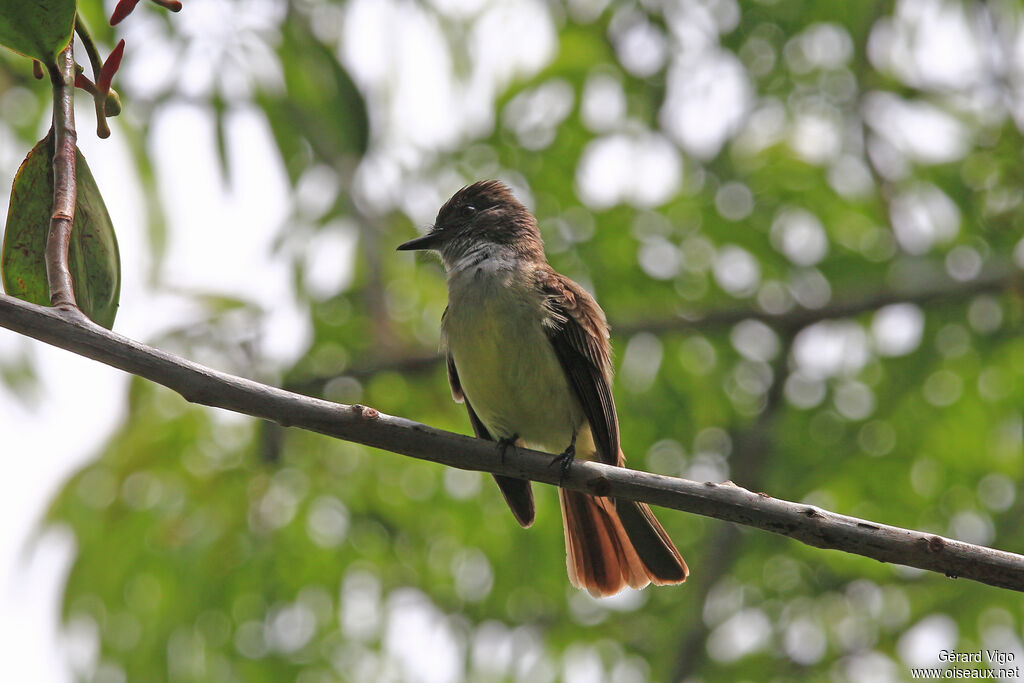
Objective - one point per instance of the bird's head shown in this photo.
(481, 217)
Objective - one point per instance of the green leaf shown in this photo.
(321, 106)
(37, 28)
(93, 256)
(22, 260)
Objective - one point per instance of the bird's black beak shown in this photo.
(429, 241)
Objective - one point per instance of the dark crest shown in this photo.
(487, 211)
(476, 198)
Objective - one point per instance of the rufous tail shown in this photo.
(611, 544)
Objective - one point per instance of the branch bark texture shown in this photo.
(361, 424)
(65, 189)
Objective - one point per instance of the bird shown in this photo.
(528, 353)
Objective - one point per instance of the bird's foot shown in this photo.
(503, 445)
(564, 459)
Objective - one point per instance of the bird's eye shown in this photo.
(468, 210)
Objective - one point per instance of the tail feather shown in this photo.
(593, 549)
(657, 553)
(610, 545)
(519, 496)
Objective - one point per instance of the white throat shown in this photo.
(482, 258)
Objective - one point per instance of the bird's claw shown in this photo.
(503, 445)
(564, 460)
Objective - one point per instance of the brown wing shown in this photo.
(579, 335)
(517, 492)
(602, 561)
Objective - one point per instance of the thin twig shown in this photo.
(90, 47)
(996, 278)
(99, 98)
(65, 190)
(360, 424)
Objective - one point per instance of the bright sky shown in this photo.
(80, 402)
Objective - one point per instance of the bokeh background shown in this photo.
(802, 219)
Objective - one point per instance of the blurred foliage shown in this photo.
(841, 160)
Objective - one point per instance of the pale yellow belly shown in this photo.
(509, 371)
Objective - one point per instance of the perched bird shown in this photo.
(528, 354)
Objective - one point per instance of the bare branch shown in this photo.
(360, 424)
(995, 278)
(65, 189)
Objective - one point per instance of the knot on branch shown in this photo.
(936, 544)
(365, 412)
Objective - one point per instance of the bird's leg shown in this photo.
(504, 443)
(565, 458)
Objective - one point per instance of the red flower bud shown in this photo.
(84, 83)
(123, 9)
(110, 68)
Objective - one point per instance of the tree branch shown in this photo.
(360, 424)
(65, 189)
(995, 278)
